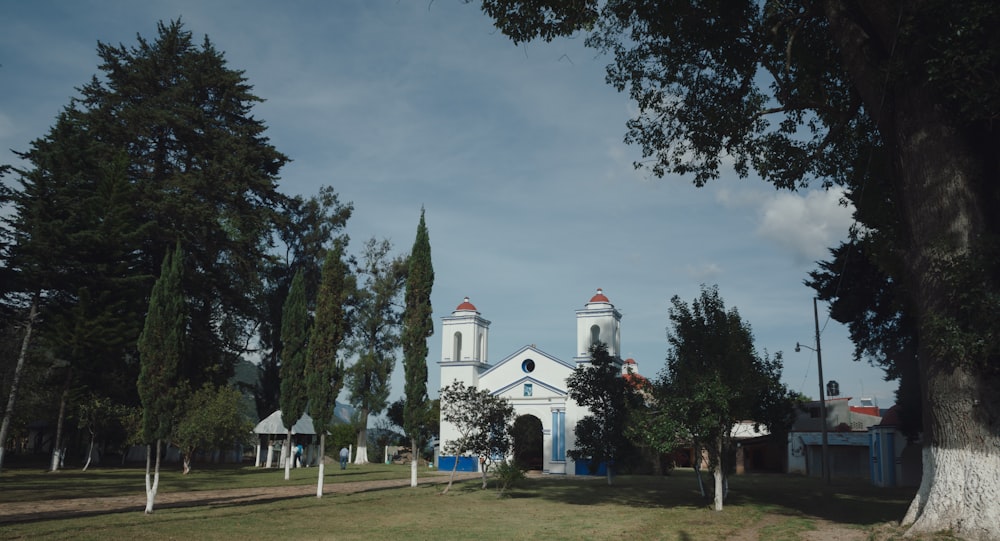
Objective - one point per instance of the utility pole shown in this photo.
(825, 467)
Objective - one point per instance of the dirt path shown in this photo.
(51, 509)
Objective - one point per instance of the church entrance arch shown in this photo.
(528, 443)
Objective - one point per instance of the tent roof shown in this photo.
(273, 425)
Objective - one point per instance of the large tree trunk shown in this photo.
(11, 398)
(944, 193)
(361, 457)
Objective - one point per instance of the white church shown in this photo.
(533, 381)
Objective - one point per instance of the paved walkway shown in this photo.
(54, 509)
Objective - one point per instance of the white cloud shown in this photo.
(806, 226)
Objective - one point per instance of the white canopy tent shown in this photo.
(272, 425)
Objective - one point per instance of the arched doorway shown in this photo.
(528, 446)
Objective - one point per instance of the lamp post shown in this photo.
(822, 396)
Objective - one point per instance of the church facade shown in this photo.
(532, 380)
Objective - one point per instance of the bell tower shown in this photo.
(464, 345)
(598, 321)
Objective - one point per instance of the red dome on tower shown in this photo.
(599, 297)
(466, 306)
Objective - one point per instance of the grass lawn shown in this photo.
(764, 506)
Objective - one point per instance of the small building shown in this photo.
(847, 439)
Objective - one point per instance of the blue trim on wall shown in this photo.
(583, 468)
(465, 463)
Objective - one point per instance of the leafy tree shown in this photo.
(713, 379)
(483, 422)
(212, 419)
(897, 96)
(295, 337)
(417, 328)
(324, 372)
(378, 315)
(161, 347)
(599, 387)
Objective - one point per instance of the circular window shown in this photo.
(528, 366)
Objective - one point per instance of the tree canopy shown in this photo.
(714, 378)
(609, 398)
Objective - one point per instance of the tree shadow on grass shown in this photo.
(845, 501)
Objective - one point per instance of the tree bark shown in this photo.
(361, 457)
(12, 397)
(942, 186)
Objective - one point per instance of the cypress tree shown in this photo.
(161, 347)
(324, 373)
(295, 337)
(417, 328)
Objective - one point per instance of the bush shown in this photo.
(507, 474)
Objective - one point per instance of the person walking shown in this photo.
(298, 455)
(344, 456)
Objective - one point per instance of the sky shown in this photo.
(515, 152)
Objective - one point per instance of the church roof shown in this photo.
(466, 306)
(599, 297)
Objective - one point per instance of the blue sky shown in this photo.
(515, 152)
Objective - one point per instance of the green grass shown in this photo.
(19, 485)
(636, 507)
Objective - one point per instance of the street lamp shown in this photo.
(822, 396)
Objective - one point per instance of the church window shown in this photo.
(458, 346)
(595, 334)
(559, 435)
(528, 366)
(527, 389)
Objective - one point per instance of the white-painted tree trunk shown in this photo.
(322, 465)
(717, 474)
(57, 445)
(287, 452)
(361, 457)
(152, 487)
(960, 487)
(414, 462)
(90, 450)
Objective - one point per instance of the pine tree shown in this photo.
(161, 347)
(417, 328)
(324, 372)
(295, 337)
